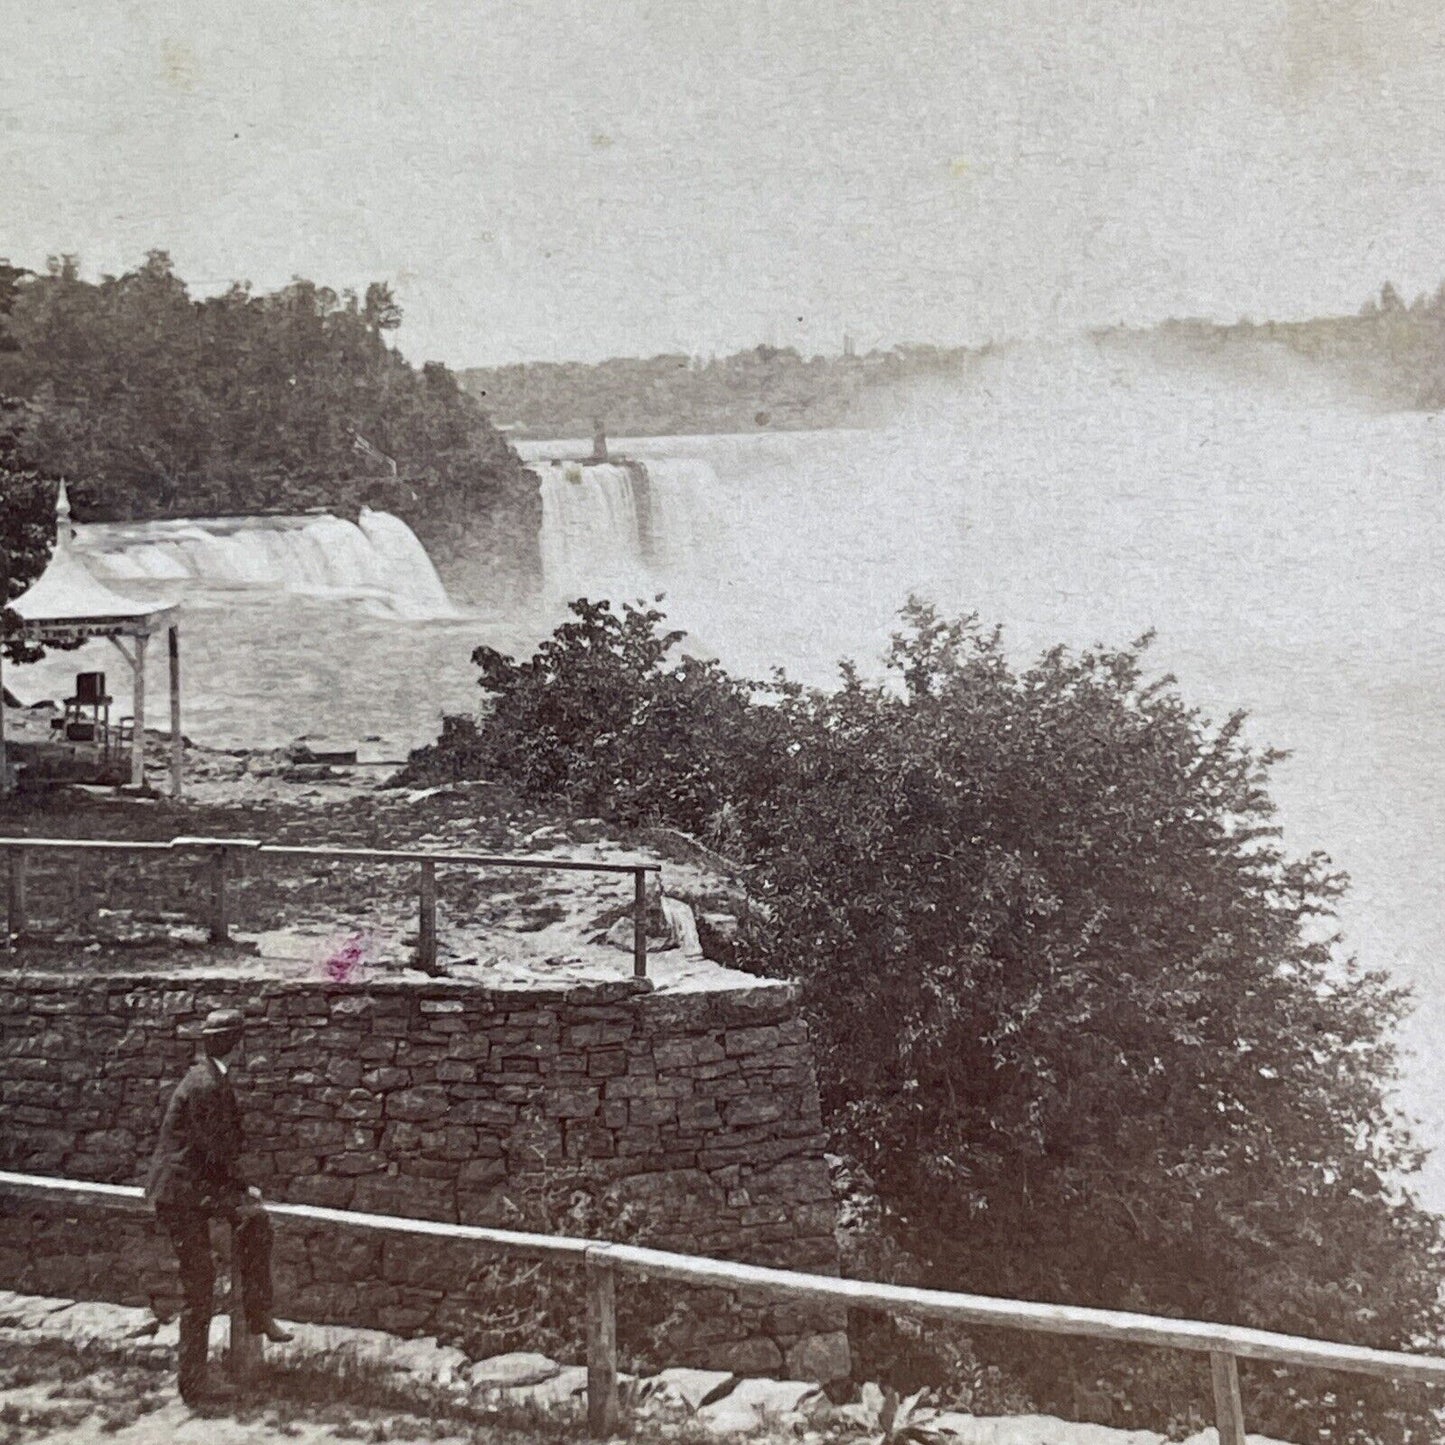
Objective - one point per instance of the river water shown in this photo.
(1284, 543)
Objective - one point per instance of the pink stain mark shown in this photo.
(349, 957)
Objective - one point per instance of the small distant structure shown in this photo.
(67, 604)
(599, 441)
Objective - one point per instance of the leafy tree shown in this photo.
(27, 497)
(10, 279)
(1394, 353)
(27, 529)
(764, 386)
(1078, 1014)
(602, 716)
(154, 403)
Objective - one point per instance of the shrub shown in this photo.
(1078, 1014)
(601, 717)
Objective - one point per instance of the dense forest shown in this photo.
(1082, 1025)
(1390, 352)
(154, 403)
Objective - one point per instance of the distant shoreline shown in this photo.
(1390, 352)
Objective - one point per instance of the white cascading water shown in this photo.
(682, 489)
(597, 541)
(376, 559)
(404, 567)
(590, 540)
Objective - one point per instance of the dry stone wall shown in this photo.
(685, 1120)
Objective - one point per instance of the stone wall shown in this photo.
(688, 1120)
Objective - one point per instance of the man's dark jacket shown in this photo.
(194, 1165)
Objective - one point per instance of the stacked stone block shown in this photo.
(695, 1113)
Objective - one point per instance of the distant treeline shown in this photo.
(1393, 351)
(154, 403)
(768, 388)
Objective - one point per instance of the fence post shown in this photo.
(220, 929)
(15, 920)
(601, 1346)
(1228, 1405)
(639, 923)
(426, 949)
(245, 1348)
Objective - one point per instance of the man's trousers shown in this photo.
(190, 1232)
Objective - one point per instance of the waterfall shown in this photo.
(620, 530)
(682, 491)
(590, 541)
(404, 567)
(376, 559)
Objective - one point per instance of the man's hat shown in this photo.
(223, 1021)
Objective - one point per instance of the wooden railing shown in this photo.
(218, 853)
(1225, 1345)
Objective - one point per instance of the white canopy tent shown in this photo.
(67, 604)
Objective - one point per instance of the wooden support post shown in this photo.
(245, 1352)
(138, 715)
(601, 1346)
(639, 923)
(4, 755)
(220, 927)
(173, 649)
(426, 946)
(15, 920)
(1228, 1405)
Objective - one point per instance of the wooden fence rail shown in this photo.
(1225, 1345)
(218, 853)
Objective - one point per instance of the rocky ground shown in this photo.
(295, 916)
(73, 1372)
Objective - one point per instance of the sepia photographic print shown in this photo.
(722, 721)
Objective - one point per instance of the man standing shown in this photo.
(193, 1180)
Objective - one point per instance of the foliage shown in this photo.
(27, 505)
(27, 526)
(97, 1388)
(1078, 1014)
(888, 1419)
(601, 717)
(902, 1353)
(155, 403)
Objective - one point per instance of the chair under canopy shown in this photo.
(66, 603)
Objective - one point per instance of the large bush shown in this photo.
(603, 717)
(1080, 1017)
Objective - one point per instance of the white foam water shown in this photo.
(590, 540)
(376, 559)
(623, 533)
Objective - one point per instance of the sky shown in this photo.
(543, 180)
